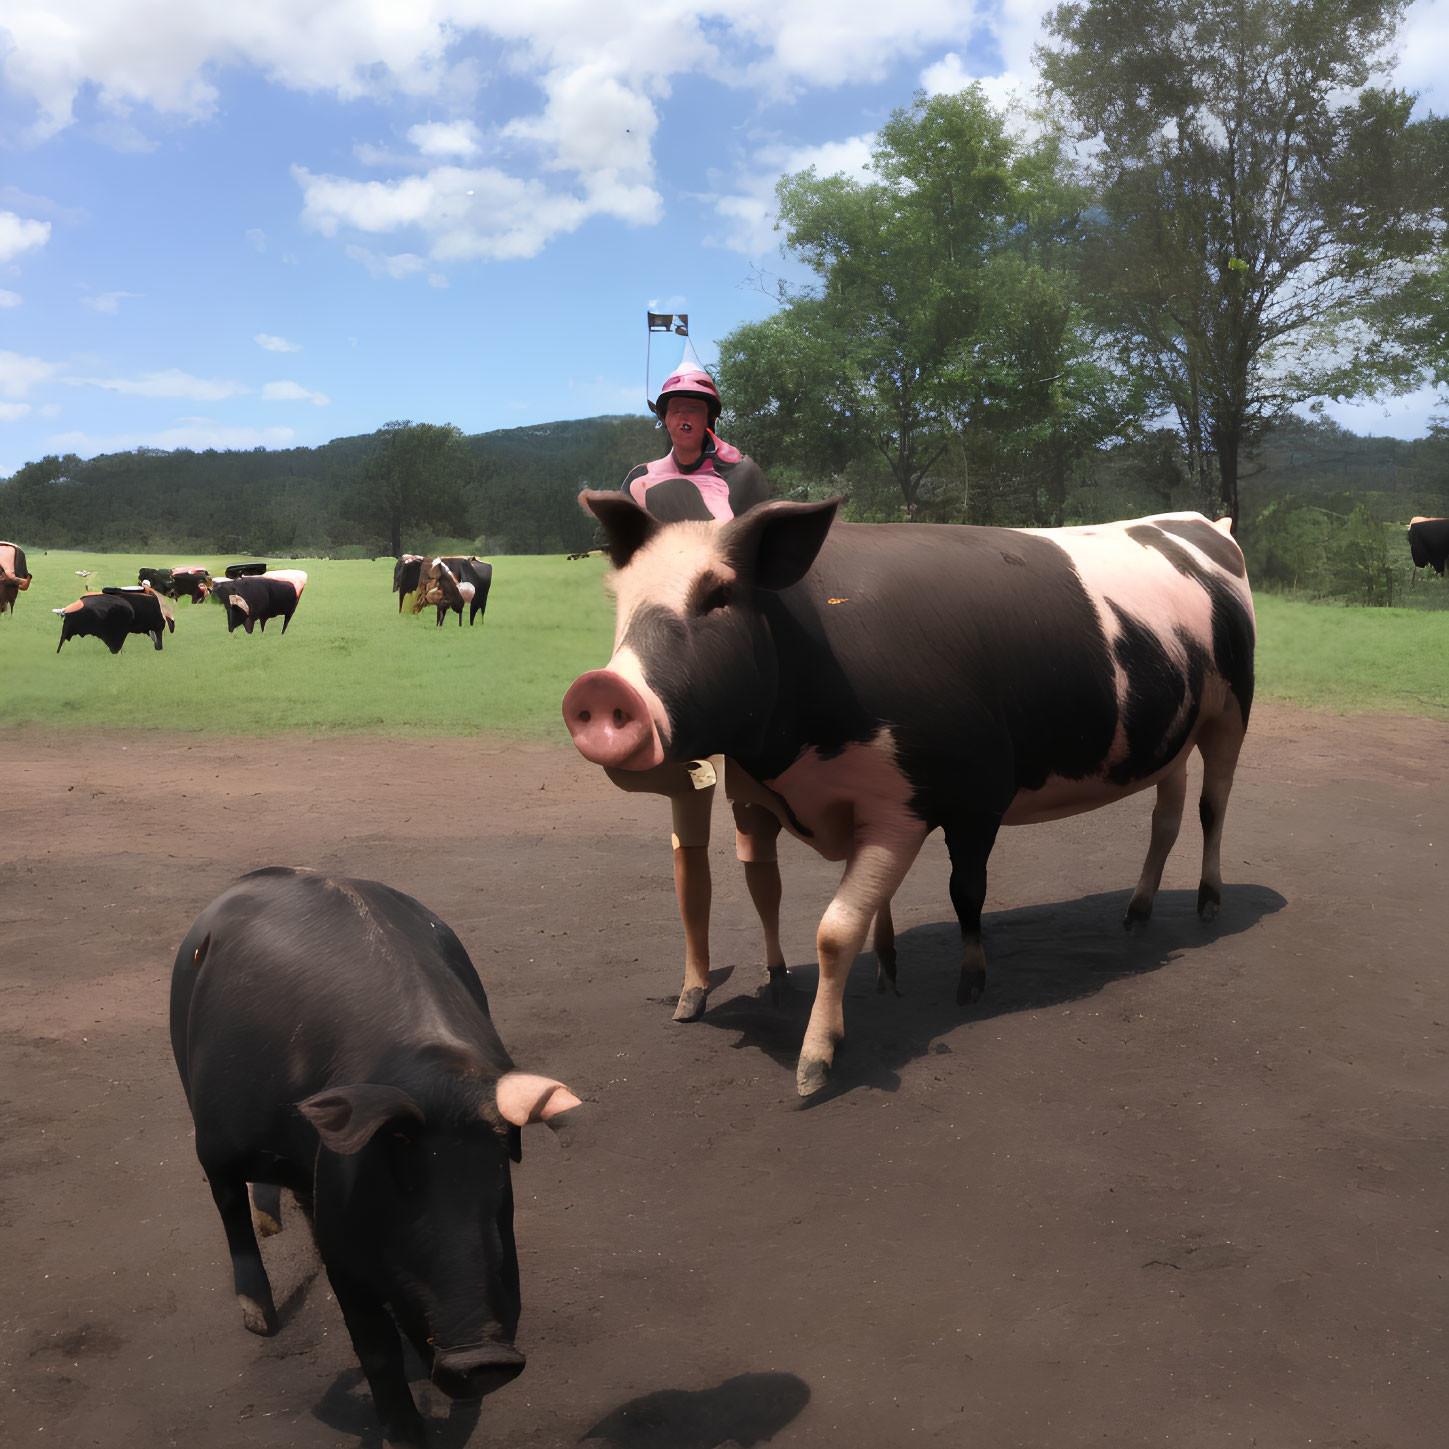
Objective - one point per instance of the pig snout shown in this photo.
(610, 722)
(477, 1369)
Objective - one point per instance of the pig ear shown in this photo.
(347, 1117)
(774, 544)
(627, 527)
(524, 1098)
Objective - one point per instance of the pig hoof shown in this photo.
(811, 1075)
(691, 1004)
(257, 1319)
(779, 983)
(971, 987)
(1208, 901)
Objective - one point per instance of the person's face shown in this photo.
(686, 419)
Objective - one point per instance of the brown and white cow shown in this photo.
(440, 587)
(881, 681)
(14, 576)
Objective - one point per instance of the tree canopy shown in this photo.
(943, 331)
(1263, 210)
(416, 476)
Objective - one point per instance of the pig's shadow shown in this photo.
(1036, 956)
(745, 1410)
(347, 1408)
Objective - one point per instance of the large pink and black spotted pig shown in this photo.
(333, 1038)
(884, 680)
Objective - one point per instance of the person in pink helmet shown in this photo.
(702, 477)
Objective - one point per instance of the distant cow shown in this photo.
(161, 580)
(14, 576)
(253, 599)
(1429, 543)
(115, 613)
(407, 573)
(438, 586)
(333, 1038)
(190, 581)
(245, 570)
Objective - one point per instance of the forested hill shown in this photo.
(518, 487)
(515, 490)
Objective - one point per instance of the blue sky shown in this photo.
(278, 222)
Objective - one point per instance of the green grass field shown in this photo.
(350, 662)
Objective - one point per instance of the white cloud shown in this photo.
(13, 412)
(9, 299)
(749, 212)
(19, 374)
(404, 264)
(109, 302)
(464, 214)
(256, 238)
(276, 344)
(447, 138)
(198, 434)
(293, 392)
(1423, 44)
(20, 234)
(171, 382)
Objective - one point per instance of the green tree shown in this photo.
(941, 313)
(416, 477)
(1263, 208)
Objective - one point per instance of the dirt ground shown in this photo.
(1185, 1186)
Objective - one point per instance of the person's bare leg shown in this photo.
(693, 889)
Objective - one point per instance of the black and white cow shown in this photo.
(1429, 543)
(252, 599)
(14, 576)
(115, 613)
(883, 680)
(333, 1038)
(190, 581)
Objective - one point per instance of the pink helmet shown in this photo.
(688, 381)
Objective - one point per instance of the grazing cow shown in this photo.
(1429, 543)
(162, 580)
(253, 599)
(245, 570)
(115, 613)
(883, 680)
(333, 1038)
(438, 586)
(473, 573)
(453, 586)
(14, 576)
(190, 581)
(407, 573)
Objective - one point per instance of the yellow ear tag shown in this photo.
(701, 773)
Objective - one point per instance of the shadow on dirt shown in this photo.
(347, 1408)
(1037, 956)
(745, 1410)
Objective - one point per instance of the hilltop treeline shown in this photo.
(1323, 511)
(511, 491)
